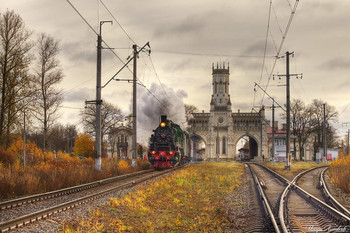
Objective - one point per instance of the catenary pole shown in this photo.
(324, 159)
(24, 139)
(98, 104)
(134, 109)
(288, 108)
(98, 138)
(273, 131)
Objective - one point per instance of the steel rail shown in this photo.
(281, 178)
(325, 207)
(329, 196)
(23, 220)
(43, 196)
(265, 200)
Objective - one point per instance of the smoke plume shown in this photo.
(149, 109)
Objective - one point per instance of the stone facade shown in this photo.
(221, 129)
(120, 147)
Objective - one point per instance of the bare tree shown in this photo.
(317, 119)
(189, 109)
(47, 74)
(301, 118)
(15, 82)
(110, 116)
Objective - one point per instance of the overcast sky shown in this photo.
(186, 37)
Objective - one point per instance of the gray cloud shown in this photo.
(341, 63)
(187, 27)
(317, 35)
(79, 95)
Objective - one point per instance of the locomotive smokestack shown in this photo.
(149, 109)
(163, 118)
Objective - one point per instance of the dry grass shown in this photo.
(65, 171)
(296, 167)
(339, 172)
(46, 171)
(187, 201)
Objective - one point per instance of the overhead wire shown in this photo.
(206, 54)
(277, 21)
(154, 69)
(265, 46)
(76, 10)
(281, 45)
(81, 16)
(104, 5)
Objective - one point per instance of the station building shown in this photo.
(219, 130)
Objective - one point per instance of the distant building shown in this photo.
(221, 129)
(121, 143)
(280, 145)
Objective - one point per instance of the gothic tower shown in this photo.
(220, 119)
(220, 99)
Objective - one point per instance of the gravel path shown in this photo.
(242, 208)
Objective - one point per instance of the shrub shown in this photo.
(123, 164)
(339, 172)
(6, 157)
(84, 145)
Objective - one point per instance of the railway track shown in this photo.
(20, 212)
(269, 221)
(298, 205)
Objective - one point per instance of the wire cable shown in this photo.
(81, 16)
(154, 69)
(76, 10)
(104, 5)
(265, 47)
(281, 45)
(278, 23)
(205, 54)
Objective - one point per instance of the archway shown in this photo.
(246, 147)
(198, 148)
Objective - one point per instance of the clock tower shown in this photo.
(220, 119)
(221, 129)
(220, 99)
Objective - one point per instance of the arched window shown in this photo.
(217, 145)
(224, 145)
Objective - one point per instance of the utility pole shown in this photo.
(324, 159)
(134, 131)
(288, 75)
(347, 151)
(273, 119)
(134, 81)
(98, 100)
(347, 141)
(273, 131)
(324, 134)
(261, 135)
(24, 139)
(288, 108)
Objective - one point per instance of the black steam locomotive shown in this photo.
(169, 145)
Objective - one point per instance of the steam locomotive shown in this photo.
(169, 145)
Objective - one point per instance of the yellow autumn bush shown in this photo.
(123, 164)
(49, 171)
(339, 172)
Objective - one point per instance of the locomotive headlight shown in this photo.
(162, 124)
(153, 152)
